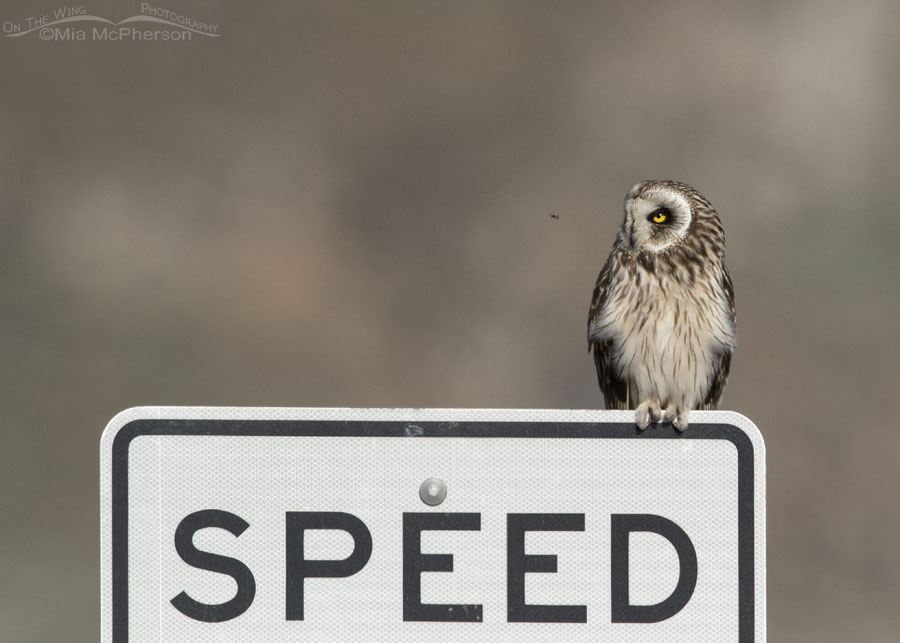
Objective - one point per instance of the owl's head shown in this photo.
(658, 215)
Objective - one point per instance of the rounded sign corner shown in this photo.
(122, 419)
(745, 424)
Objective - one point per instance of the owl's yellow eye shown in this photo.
(660, 215)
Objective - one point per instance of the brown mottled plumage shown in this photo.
(661, 323)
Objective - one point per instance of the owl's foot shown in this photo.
(678, 415)
(648, 411)
(674, 413)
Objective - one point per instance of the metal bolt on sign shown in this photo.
(433, 491)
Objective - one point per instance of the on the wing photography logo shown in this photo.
(76, 23)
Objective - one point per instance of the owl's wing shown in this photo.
(717, 386)
(614, 388)
(723, 362)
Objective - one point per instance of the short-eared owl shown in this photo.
(661, 322)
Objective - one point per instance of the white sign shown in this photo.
(392, 525)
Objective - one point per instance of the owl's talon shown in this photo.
(642, 415)
(648, 411)
(680, 420)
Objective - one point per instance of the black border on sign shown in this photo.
(415, 430)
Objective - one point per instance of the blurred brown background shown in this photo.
(347, 204)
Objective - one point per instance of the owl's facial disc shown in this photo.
(655, 219)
